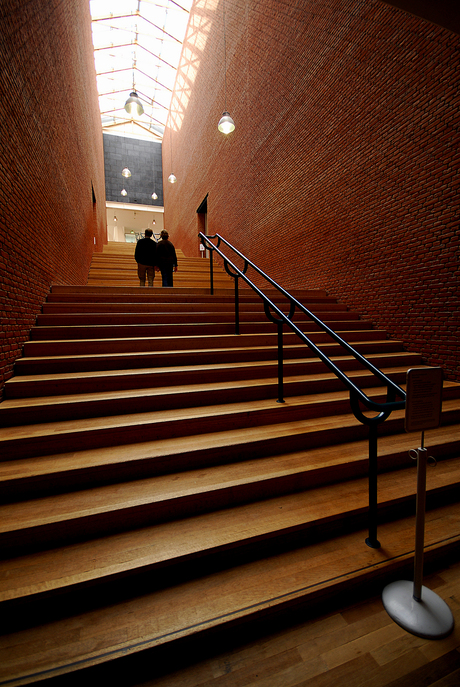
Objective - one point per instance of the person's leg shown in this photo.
(164, 276)
(150, 274)
(141, 270)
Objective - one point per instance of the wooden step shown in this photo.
(146, 393)
(62, 364)
(314, 375)
(117, 292)
(65, 347)
(311, 430)
(336, 321)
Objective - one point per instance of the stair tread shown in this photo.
(23, 362)
(198, 368)
(187, 537)
(155, 618)
(170, 448)
(189, 414)
(162, 416)
(171, 374)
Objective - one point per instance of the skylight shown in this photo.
(137, 47)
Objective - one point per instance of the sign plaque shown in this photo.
(424, 398)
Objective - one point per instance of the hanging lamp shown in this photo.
(133, 105)
(226, 124)
(172, 177)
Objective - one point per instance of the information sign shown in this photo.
(424, 398)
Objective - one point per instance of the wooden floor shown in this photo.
(356, 645)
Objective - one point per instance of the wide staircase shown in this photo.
(153, 489)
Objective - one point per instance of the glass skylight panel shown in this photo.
(137, 46)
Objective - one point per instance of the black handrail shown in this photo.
(357, 395)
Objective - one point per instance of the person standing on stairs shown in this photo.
(146, 257)
(166, 259)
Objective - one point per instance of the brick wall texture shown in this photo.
(343, 172)
(52, 195)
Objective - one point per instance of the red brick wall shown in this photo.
(50, 160)
(343, 171)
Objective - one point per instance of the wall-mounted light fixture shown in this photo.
(226, 124)
(125, 173)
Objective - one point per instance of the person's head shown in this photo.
(148, 233)
(164, 234)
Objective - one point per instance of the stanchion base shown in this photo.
(373, 543)
(430, 617)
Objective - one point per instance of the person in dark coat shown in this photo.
(166, 259)
(145, 256)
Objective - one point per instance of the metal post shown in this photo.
(420, 522)
(372, 540)
(211, 272)
(237, 307)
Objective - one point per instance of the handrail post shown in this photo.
(372, 540)
(211, 272)
(280, 364)
(237, 307)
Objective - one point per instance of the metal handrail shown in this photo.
(357, 395)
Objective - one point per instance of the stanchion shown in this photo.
(410, 604)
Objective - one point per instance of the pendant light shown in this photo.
(226, 124)
(133, 105)
(125, 172)
(172, 177)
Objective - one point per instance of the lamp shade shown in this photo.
(126, 173)
(172, 179)
(133, 105)
(226, 124)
